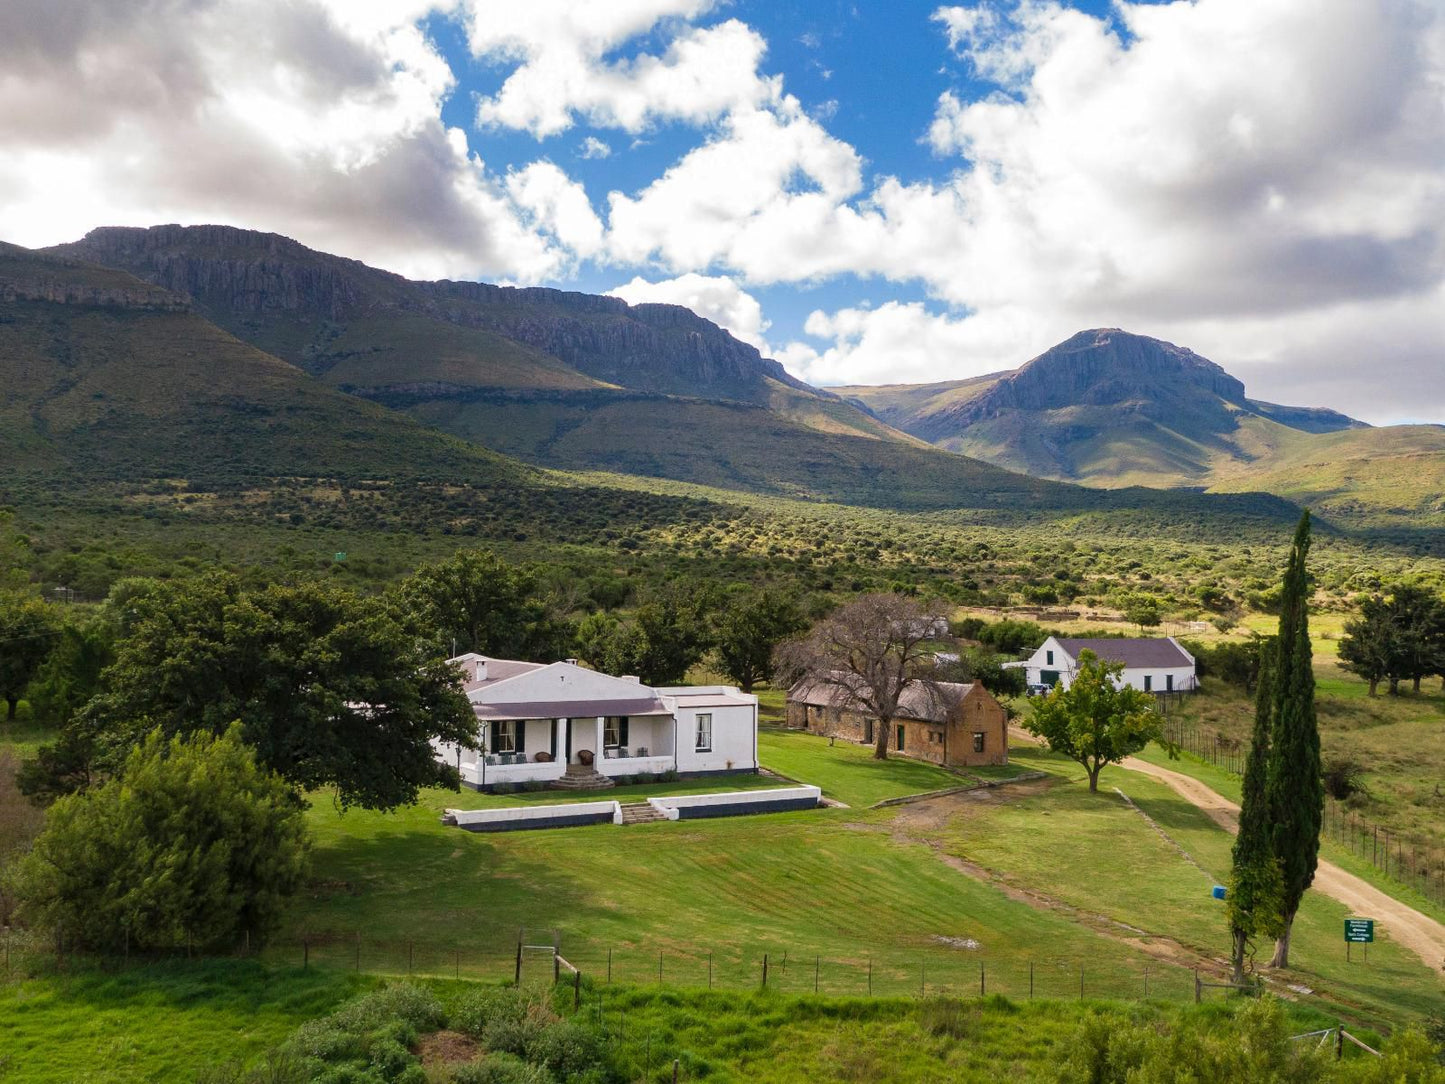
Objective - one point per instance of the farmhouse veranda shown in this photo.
(562, 724)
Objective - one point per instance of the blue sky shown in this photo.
(869, 192)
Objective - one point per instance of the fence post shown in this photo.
(1339, 1042)
(1081, 982)
(576, 990)
(305, 953)
(675, 1063)
(709, 969)
(556, 967)
(518, 980)
(817, 968)
(870, 975)
(410, 956)
(765, 971)
(659, 967)
(1146, 983)
(1198, 988)
(981, 987)
(609, 967)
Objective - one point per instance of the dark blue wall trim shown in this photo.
(569, 821)
(737, 809)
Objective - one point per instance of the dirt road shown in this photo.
(1406, 926)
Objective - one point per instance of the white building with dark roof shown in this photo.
(1151, 664)
(561, 724)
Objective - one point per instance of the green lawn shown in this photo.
(1098, 855)
(471, 799)
(847, 771)
(161, 1023)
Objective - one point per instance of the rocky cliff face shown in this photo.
(31, 276)
(242, 278)
(1109, 367)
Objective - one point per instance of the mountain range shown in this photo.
(213, 351)
(1109, 408)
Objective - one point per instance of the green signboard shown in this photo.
(1359, 930)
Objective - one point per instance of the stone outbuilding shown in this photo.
(947, 723)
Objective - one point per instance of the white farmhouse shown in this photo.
(561, 724)
(1151, 664)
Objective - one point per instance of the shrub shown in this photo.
(1343, 778)
(195, 843)
(642, 778)
(501, 1069)
(566, 1048)
(669, 776)
(504, 788)
(534, 785)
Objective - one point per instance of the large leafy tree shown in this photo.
(193, 844)
(1397, 636)
(331, 689)
(662, 639)
(866, 654)
(1097, 720)
(475, 601)
(1294, 789)
(750, 629)
(28, 631)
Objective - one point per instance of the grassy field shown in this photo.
(1128, 873)
(1041, 877)
(165, 1022)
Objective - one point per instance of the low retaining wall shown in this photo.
(736, 803)
(513, 819)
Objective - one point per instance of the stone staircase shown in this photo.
(640, 813)
(583, 777)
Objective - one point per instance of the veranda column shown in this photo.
(597, 757)
(557, 740)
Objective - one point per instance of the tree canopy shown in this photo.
(1096, 721)
(1398, 636)
(194, 843)
(28, 630)
(331, 689)
(867, 653)
(750, 629)
(475, 601)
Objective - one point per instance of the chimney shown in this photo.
(481, 670)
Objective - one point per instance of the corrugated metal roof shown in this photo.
(928, 702)
(1143, 651)
(569, 709)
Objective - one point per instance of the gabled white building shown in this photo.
(1151, 664)
(560, 723)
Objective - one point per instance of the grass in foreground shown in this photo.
(162, 1022)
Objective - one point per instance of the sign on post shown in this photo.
(1359, 931)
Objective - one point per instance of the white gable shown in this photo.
(561, 681)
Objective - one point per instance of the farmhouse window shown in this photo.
(507, 736)
(1169, 683)
(900, 737)
(704, 733)
(614, 731)
(978, 741)
(1049, 658)
(1148, 683)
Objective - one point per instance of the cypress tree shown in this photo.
(1294, 790)
(1256, 885)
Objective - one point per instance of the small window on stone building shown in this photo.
(978, 741)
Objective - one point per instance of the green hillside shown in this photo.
(1110, 409)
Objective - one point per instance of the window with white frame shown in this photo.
(504, 736)
(704, 733)
(978, 739)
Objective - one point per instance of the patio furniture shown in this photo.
(543, 757)
(584, 756)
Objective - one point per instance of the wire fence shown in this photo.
(959, 972)
(1405, 859)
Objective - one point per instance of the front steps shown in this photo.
(583, 777)
(640, 813)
